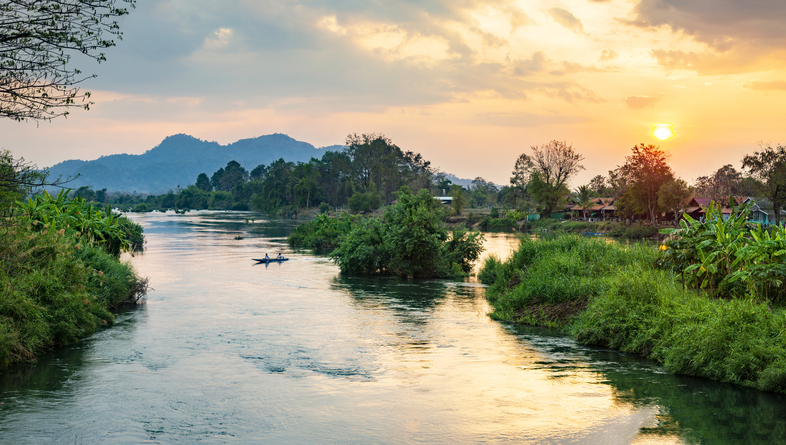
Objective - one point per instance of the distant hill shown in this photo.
(178, 160)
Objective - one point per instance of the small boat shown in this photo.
(270, 260)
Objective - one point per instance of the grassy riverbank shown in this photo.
(60, 275)
(612, 295)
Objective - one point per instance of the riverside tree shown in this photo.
(37, 41)
(646, 170)
(769, 167)
(546, 173)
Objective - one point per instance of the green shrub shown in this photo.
(59, 290)
(411, 241)
(323, 232)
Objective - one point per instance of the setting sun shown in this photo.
(662, 131)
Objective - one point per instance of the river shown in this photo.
(228, 351)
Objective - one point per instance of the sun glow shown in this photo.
(662, 131)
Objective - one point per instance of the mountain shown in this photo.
(178, 160)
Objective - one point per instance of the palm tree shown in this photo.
(583, 198)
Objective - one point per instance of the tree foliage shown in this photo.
(769, 167)
(646, 170)
(37, 41)
(583, 197)
(725, 182)
(409, 241)
(673, 196)
(546, 173)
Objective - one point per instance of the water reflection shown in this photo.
(228, 351)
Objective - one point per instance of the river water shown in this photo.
(227, 351)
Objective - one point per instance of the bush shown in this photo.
(410, 241)
(323, 232)
(59, 290)
(364, 202)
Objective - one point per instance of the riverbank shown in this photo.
(62, 275)
(612, 295)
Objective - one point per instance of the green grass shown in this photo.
(56, 290)
(631, 306)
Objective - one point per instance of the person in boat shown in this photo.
(280, 257)
(266, 256)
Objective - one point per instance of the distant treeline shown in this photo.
(363, 177)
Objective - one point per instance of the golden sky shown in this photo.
(469, 84)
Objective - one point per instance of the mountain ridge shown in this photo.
(178, 160)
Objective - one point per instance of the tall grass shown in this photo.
(634, 307)
(56, 286)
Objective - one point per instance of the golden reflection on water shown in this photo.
(433, 368)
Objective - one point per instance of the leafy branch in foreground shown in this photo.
(37, 39)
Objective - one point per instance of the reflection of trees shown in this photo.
(698, 410)
(59, 369)
(704, 411)
(411, 301)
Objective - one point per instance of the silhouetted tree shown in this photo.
(37, 39)
(769, 167)
(646, 170)
(547, 172)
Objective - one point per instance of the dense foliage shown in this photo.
(323, 232)
(728, 256)
(103, 228)
(60, 271)
(409, 240)
(613, 295)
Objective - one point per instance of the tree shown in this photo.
(203, 183)
(459, 200)
(86, 192)
(598, 185)
(258, 173)
(584, 198)
(547, 172)
(769, 167)
(37, 40)
(482, 192)
(646, 169)
(233, 174)
(674, 195)
(720, 185)
(308, 182)
(19, 178)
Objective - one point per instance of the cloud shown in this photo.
(707, 62)
(537, 63)
(526, 120)
(636, 102)
(719, 23)
(733, 31)
(607, 55)
(777, 85)
(326, 56)
(566, 19)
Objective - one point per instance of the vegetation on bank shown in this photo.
(60, 272)
(410, 240)
(667, 303)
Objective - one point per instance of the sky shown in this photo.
(469, 84)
